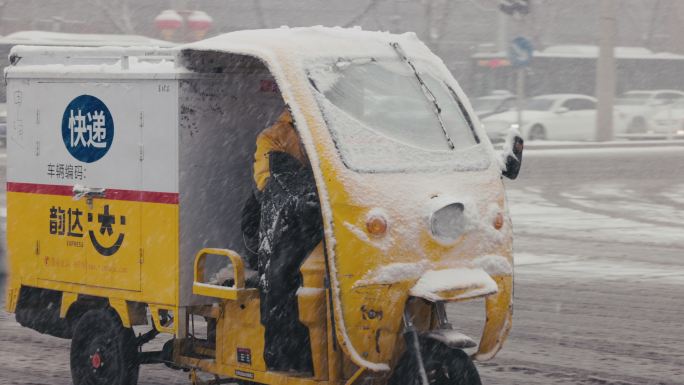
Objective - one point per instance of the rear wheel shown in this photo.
(537, 132)
(443, 366)
(103, 352)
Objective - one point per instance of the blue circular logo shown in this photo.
(87, 128)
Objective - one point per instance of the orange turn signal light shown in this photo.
(498, 221)
(376, 225)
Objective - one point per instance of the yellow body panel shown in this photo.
(242, 329)
(313, 303)
(68, 299)
(499, 316)
(44, 252)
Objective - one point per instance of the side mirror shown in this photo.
(512, 156)
(562, 110)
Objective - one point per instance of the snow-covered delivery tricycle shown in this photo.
(289, 206)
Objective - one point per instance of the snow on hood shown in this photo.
(490, 265)
(475, 283)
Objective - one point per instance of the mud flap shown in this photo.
(499, 308)
(12, 297)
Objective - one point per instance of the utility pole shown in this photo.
(502, 33)
(520, 95)
(520, 51)
(605, 72)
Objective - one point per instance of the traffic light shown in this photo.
(511, 7)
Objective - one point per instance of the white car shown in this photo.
(637, 108)
(552, 117)
(669, 121)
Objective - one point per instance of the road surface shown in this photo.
(599, 293)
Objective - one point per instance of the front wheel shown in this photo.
(443, 366)
(637, 126)
(537, 132)
(103, 352)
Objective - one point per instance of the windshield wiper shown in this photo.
(428, 94)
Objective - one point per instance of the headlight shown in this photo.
(515, 126)
(448, 223)
(376, 224)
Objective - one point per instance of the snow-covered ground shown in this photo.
(594, 216)
(599, 263)
(575, 266)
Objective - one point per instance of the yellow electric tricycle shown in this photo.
(126, 202)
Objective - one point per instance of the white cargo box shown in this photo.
(168, 134)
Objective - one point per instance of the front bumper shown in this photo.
(455, 285)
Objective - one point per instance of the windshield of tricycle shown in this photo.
(384, 116)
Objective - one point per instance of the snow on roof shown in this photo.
(75, 62)
(593, 51)
(588, 52)
(562, 96)
(296, 46)
(652, 91)
(79, 39)
(574, 50)
(313, 42)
